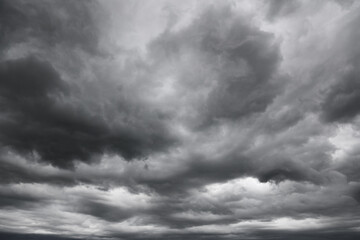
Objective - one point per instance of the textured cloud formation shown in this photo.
(236, 64)
(49, 112)
(341, 100)
(179, 120)
(38, 117)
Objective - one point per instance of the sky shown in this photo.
(172, 120)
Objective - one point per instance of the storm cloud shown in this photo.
(179, 120)
(34, 96)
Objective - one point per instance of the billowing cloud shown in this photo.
(237, 65)
(61, 126)
(33, 95)
(340, 103)
(179, 120)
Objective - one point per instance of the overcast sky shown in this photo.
(171, 120)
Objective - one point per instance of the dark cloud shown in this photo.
(18, 200)
(355, 192)
(350, 165)
(278, 170)
(341, 103)
(263, 234)
(307, 235)
(52, 108)
(199, 171)
(209, 130)
(16, 173)
(23, 236)
(281, 174)
(105, 211)
(49, 23)
(37, 121)
(237, 96)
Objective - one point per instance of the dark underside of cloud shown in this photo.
(342, 102)
(40, 111)
(37, 119)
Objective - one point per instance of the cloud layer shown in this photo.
(179, 120)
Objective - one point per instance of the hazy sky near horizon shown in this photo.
(193, 119)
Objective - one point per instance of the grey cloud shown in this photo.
(281, 174)
(281, 8)
(262, 234)
(23, 236)
(340, 100)
(242, 59)
(17, 173)
(12, 199)
(355, 191)
(33, 95)
(278, 9)
(307, 235)
(345, 3)
(201, 170)
(350, 165)
(279, 169)
(341, 103)
(209, 133)
(105, 211)
(61, 133)
(244, 159)
(49, 23)
(57, 107)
